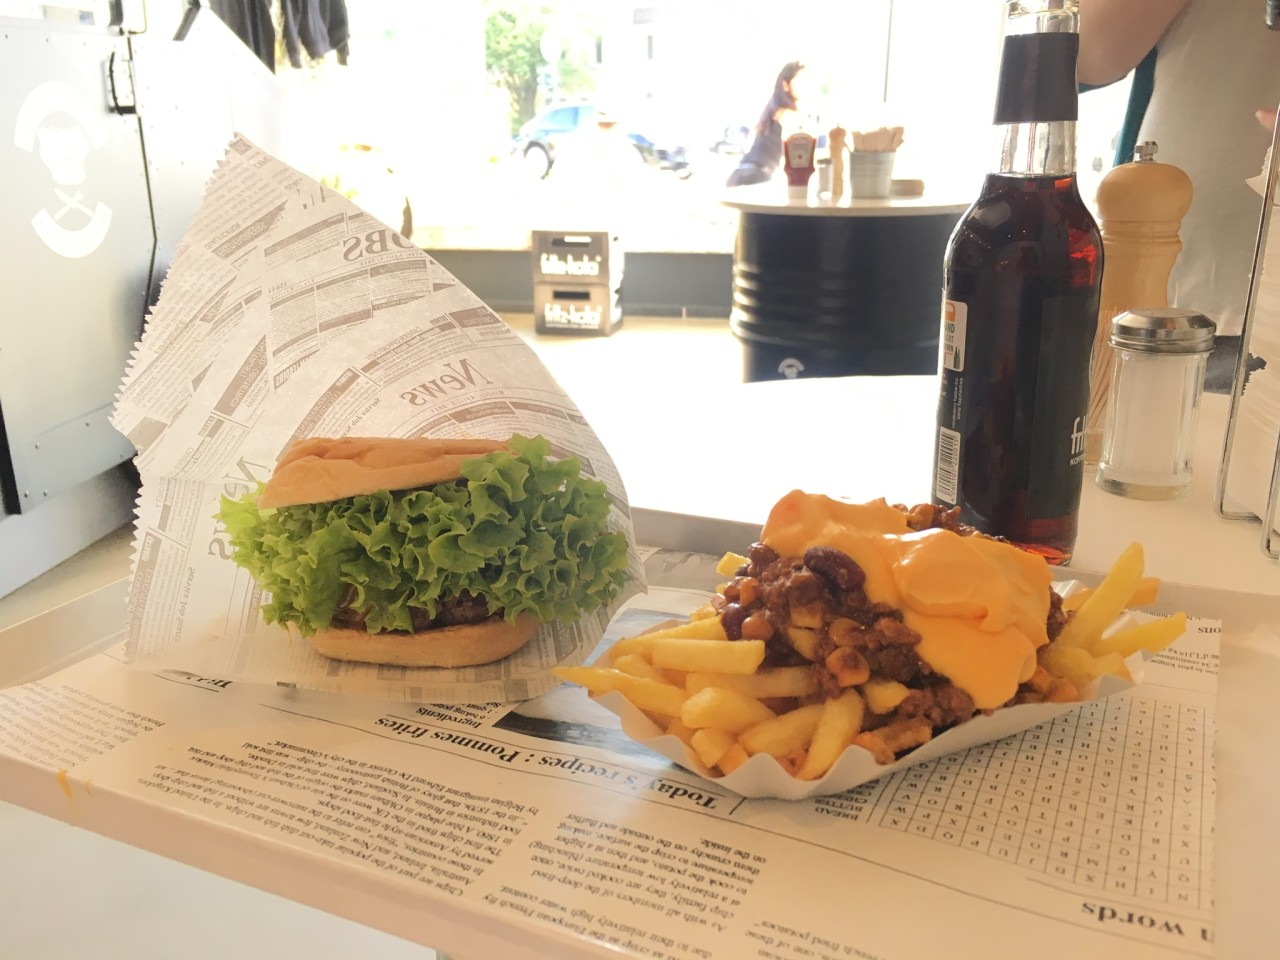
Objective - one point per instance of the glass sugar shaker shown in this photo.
(1156, 382)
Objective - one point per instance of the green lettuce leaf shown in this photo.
(526, 533)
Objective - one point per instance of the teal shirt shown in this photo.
(1144, 75)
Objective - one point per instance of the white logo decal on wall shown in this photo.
(72, 228)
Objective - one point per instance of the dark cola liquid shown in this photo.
(1020, 290)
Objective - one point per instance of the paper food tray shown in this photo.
(763, 776)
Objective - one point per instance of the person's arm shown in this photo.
(1116, 34)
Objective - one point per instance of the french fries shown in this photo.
(838, 724)
(785, 735)
(711, 744)
(1144, 595)
(724, 710)
(718, 696)
(1107, 601)
(1152, 636)
(725, 656)
(1088, 647)
(763, 684)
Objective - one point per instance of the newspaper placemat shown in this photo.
(472, 827)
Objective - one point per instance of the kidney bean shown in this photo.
(762, 555)
(731, 619)
(834, 566)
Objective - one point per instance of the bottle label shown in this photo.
(1056, 467)
(946, 474)
(955, 316)
(1038, 78)
(1020, 435)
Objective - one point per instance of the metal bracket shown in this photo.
(120, 83)
(1268, 539)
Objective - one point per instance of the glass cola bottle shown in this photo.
(1021, 280)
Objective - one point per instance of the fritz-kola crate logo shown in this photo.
(57, 123)
(570, 266)
(574, 316)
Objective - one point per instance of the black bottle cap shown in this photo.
(1038, 78)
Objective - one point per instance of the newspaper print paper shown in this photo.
(289, 312)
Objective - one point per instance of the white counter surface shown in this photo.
(860, 438)
(727, 456)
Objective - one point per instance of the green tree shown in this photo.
(512, 56)
(513, 34)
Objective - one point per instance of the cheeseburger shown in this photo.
(419, 552)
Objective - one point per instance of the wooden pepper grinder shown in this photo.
(836, 143)
(1140, 206)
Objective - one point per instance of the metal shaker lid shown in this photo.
(1145, 152)
(1163, 330)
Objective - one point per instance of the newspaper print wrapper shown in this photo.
(762, 776)
(288, 312)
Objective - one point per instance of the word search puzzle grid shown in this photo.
(1116, 795)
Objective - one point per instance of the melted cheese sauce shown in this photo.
(979, 605)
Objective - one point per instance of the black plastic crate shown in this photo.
(588, 257)
(576, 308)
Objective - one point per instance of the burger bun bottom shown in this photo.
(464, 645)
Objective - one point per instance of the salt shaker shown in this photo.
(823, 167)
(1156, 382)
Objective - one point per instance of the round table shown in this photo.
(823, 289)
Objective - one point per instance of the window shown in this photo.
(443, 100)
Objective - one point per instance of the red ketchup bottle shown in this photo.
(797, 158)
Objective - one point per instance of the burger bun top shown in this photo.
(321, 469)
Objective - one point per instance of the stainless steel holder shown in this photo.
(1267, 541)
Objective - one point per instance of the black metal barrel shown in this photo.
(826, 293)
